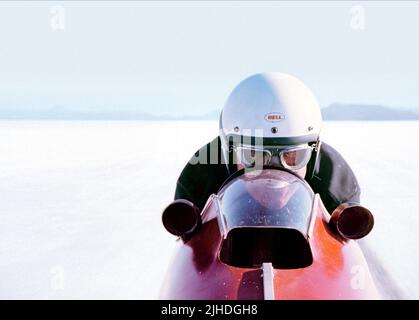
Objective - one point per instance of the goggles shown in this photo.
(293, 158)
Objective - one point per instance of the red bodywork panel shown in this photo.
(338, 271)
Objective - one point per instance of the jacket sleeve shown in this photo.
(202, 175)
(334, 180)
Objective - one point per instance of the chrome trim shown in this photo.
(312, 221)
(204, 212)
(268, 281)
(220, 216)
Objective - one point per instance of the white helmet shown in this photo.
(270, 109)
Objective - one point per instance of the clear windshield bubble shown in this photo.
(268, 198)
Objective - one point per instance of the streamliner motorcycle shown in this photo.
(266, 235)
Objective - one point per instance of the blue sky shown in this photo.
(186, 57)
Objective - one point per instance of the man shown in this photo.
(269, 119)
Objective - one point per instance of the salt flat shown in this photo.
(80, 202)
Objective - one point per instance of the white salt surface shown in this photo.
(80, 202)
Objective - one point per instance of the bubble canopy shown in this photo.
(270, 197)
(264, 215)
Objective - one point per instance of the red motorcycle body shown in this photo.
(226, 257)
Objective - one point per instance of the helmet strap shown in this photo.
(231, 167)
(313, 163)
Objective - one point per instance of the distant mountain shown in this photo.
(340, 111)
(213, 115)
(76, 115)
(65, 114)
(336, 111)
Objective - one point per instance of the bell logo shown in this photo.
(274, 117)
